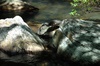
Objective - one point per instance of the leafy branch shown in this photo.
(83, 6)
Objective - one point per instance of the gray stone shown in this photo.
(85, 39)
(77, 40)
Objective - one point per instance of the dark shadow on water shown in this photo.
(24, 14)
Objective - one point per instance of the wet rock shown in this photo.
(17, 7)
(17, 39)
(47, 30)
(60, 41)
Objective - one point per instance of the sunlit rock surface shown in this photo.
(85, 36)
(16, 37)
(77, 40)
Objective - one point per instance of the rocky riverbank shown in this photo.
(74, 40)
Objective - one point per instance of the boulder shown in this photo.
(85, 38)
(77, 40)
(17, 38)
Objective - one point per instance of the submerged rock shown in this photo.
(16, 37)
(17, 7)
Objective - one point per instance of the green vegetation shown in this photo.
(83, 5)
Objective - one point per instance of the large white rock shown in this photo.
(17, 37)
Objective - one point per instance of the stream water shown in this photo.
(57, 10)
(51, 10)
